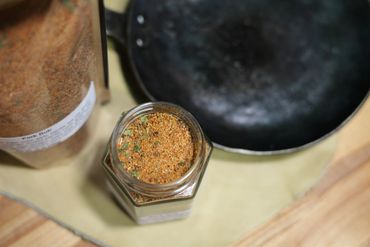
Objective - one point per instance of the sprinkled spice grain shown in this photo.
(156, 148)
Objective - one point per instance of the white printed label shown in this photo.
(55, 134)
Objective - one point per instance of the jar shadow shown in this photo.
(8, 160)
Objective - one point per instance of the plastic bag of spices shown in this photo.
(52, 74)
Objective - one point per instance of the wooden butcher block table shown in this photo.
(336, 212)
(21, 226)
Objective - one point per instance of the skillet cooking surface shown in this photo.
(259, 75)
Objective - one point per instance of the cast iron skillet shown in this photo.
(261, 76)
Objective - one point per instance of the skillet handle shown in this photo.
(116, 25)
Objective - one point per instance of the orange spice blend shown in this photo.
(156, 148)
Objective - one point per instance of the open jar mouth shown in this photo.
(167, 189)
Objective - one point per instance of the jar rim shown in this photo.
(173, 187)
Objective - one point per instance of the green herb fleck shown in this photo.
(2, 40)
(145, 136)
(18, 101)
(144, 119)
(156, 143)
(181, 163)
(127, 132)
(135, 174)
(126, 154)
(69, 4)
(123, 147)
(137, 148)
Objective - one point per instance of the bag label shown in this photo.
(56, 133)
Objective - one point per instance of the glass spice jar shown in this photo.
(150, 202)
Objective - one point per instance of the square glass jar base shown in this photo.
(146, 219)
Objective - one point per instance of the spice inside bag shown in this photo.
(51, 77)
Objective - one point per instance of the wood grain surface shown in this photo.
(23, 226)
(336, 212)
